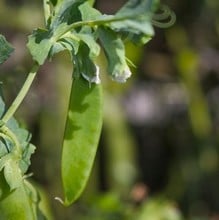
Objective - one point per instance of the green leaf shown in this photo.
(39, 45)
(82, 132)
(19, 204)
(139, 39)
(137, 8)
(88, 12)
(13, 174)
(4, 187)
(91, 43)
(71, 44)
(56, 48)
(115, 54)
(66, 12)
(43, 43)
(23, 137)
(4, 160)
(134, 26)
(6, 146)
(72, 41)
(5, 49)
(137, 22)
(26, 155)
(85, 66)
(2, 107)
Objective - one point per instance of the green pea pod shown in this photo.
(82, 132)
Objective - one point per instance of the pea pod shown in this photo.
(82, 132)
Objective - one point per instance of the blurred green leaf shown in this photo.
(158, 209)
(5, 49)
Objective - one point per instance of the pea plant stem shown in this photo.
(21, 95)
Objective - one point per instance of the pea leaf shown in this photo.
(6, 146)
(12, 173)
(88, 12)
(82, 132)
(66, 12)
(94, 48)
(21, 203)
(23, 137)
(137, 8)
(25, 162)
(142, 26)
(137, 22)
(84, 65)
(5, 49)
(39, 45)
(115, 54)
(41, 41)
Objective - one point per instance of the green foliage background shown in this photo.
(158, 157)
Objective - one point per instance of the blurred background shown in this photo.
(158, 153)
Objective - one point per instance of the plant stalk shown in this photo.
(21, 95)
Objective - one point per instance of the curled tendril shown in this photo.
(164, 19)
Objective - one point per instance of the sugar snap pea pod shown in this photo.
(82, 132)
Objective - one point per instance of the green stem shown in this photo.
(92, 23)
(21, 95)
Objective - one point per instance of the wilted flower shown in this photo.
(122, 76)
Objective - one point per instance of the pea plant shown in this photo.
(75, 26)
